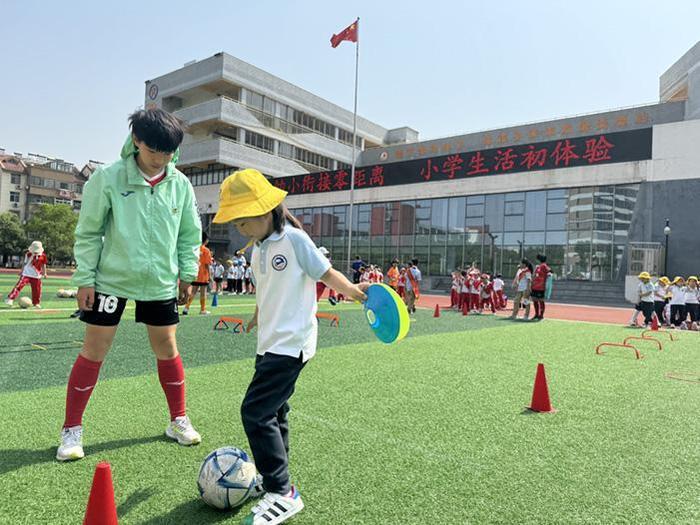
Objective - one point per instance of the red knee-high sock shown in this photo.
(81, 383)
(172, 378)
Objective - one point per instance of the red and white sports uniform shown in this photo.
(464, 293)
(475, 293)
(498, 286)
(401, 285)
(454, 292)
(32, 273)
(487, 296)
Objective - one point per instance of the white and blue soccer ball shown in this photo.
(227, 478)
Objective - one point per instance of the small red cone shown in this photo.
(655, 322)
(437, 311)
(101, 509)
(540, 393)
(465, 309)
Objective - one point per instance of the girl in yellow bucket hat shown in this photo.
(677, 291)
(692, 301)
(286, 265)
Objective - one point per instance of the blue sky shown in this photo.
(72, 71)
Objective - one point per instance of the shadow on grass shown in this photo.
(14, 459)
(193, 511)
(136, 497)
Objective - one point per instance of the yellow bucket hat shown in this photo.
(247, 193)
(644, 275)
(693, 278)
(664, 280)
(678, 279)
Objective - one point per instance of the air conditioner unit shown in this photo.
(18, 186)
(15, 204)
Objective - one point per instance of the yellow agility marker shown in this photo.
(386, 314)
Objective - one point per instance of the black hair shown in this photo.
(281, 216)
(414, 262)
(528, 264)
(499, 276)
(158, 129)
(464, 273)
(205, 237)
(542, 258)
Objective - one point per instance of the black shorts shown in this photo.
(218, 279)
(537, 294)
(108, 310)
(246, 281)
(199, 284)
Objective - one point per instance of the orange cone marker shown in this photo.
(101, 509)
(540, 393)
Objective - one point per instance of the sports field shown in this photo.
(431, 430)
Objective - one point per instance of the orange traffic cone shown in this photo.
(654, 322)
(465, 308)
(540, 393)
(437, 311)
(101, 509)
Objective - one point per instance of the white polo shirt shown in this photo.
(286, 267)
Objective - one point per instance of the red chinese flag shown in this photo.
(349, 34)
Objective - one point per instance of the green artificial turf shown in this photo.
(431, 430)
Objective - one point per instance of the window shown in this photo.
(259, 141)
(14, 196)
(64, 185)
(15, 178)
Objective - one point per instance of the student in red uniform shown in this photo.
(321, 286)
(498, 286)
(202, 281)
(454, 290)
(539, 284)
(487, 296)
(475, 291)
(32, 273)
(464, 282)
(401, 283)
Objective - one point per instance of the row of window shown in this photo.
(583, 231)
(288, 115)
(309, 159)
(55, 184)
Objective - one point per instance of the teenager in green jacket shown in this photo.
(137, 238)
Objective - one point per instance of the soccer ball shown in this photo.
(226, 478)
(61, 293)
(25, 302)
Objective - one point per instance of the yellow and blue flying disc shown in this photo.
(386, 314)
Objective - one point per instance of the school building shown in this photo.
(600, 194)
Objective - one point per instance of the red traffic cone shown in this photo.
(101, 509)
(654, 322)
(437, 311)
(540, 393)
(465, 309)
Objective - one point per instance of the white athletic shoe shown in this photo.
(182, 431)
(71, 447)
(37, 306)
(9, 302)
(275, 508)
(205, 312)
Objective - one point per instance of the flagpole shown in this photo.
(354, 145)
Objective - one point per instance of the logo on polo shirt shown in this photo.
(279, 262)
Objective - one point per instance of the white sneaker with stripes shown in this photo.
(275, 508)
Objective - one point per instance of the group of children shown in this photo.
(675, 304)
(474, 290)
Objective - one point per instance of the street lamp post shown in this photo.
(667, 232)
(522, 251)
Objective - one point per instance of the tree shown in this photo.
(13, 240)
(54, 225)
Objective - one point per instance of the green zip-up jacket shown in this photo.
(135, 241)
